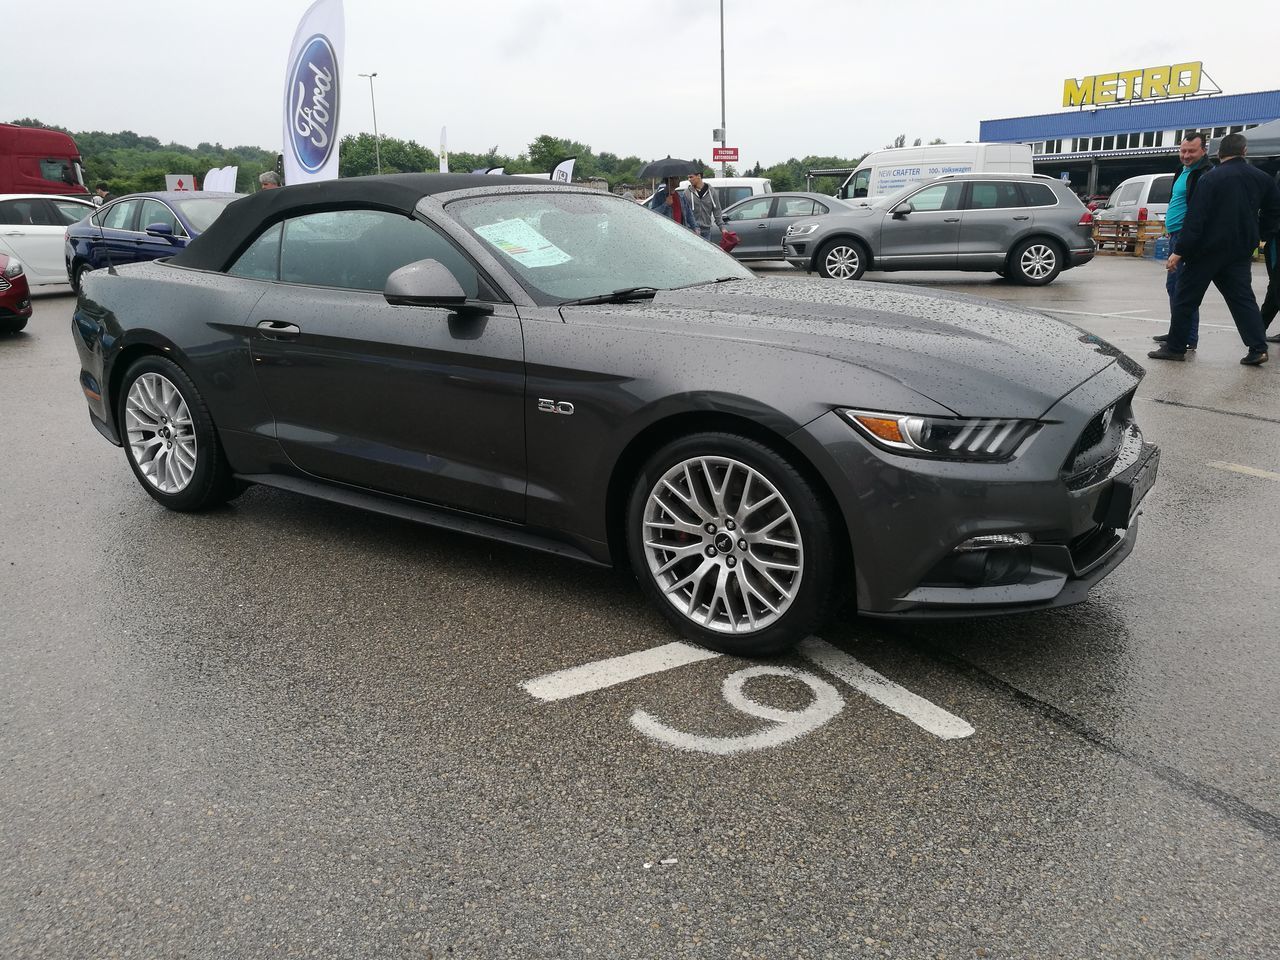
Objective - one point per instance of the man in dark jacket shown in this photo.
(1234, 205)
(1194, 156)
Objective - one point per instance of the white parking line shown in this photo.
(929, 716)
(1124, 315)
(1241, 468)
(615, 670)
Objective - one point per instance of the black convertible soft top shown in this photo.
(237, 226)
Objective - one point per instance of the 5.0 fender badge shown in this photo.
(555, 406)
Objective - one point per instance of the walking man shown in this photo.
(673, 204)
(706, 208)
(1234, 205)
(1271, 302)
(1195, 164)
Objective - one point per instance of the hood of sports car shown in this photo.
(975, 357)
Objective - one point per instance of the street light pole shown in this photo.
(723, 132)
(377, 150)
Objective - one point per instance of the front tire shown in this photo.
(842, 260)
(1036, 262)
(169, 438)
(733, 544)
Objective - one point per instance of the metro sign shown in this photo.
(724, 154)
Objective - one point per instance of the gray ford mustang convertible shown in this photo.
(565, 370)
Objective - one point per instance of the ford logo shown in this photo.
(313, 104)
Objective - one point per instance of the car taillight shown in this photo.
(1142, 214)
(1086, 218)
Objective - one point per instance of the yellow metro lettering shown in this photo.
(1155, 83)
(1104, 87)
(1077, 92)
(1178, 87)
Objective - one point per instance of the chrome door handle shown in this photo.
(1024, 217)
(762, 226)
(278, 330)
(950, 219)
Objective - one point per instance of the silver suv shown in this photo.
(1027, 227)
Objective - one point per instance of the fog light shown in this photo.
(995, 541)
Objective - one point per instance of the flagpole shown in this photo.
(377, 150)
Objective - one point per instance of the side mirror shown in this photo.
(161, 230)
(428, 283)
(902, 209)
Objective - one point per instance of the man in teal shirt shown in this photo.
(1195, 164)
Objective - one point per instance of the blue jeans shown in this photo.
(1171, 287)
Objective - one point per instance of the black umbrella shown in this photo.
(661, 169)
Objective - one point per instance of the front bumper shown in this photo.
(907, 516)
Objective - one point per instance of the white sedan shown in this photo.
(33, 228)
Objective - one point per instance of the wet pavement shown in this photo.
(287, 728)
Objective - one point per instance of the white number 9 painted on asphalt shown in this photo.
(787, 724)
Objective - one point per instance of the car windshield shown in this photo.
(566, 246)
(200, 212)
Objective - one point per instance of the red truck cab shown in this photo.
(37, 160)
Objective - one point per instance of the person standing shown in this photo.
(1234, 206)
(102, 194)
(1195, 164)
(1271, 302)
(671, 203)
(268, 180)
(706, 208)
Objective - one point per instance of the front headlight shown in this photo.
(955, 438)
(801, 229)
(12, 269)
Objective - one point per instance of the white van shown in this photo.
(1145, 197)
(729, 190)
(888, 171)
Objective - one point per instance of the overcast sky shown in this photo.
(816, 78)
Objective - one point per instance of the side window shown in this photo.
(997, 195)
(262, 260)
(27, 213)
(755, 210)
(71, 212)
(1161, 190)
(820, 207)
(940, 196)
(359, 249)
(120, 216)
(10, 214)
(153, 211)
(731, 195)
(1038, 195)
(861, 183)
(795, 207)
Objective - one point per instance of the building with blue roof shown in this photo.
(1096, 147)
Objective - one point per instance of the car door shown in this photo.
(32, 230)
(994, 214)
(750, 221)
(117, 239)
(419, 402)
(152, 248)
(926, 237)
(787, 211)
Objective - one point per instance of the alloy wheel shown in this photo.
(842, 262)
(160, 434)
(723, 544)
(1038, 261)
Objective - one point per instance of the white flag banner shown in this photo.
(563, 172)
(221, 179)
(313, 87)
(497, 171)
(444, 151)
(179, 181)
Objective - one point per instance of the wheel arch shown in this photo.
(848, 236)
(126, 357)
(656, 434)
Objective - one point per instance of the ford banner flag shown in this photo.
(563, 173)
(313, 85)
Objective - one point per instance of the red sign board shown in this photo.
(726, 154)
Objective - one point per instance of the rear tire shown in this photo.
(842, 260)
(733, 544)
(169, 438)
(77, 276)
(1035, 262)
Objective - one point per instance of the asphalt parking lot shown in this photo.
(287, 728)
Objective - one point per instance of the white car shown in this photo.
(33, 228)
(1137, 199)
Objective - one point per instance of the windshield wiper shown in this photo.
(625, 295)
(706, 283)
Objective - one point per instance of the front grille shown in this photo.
(5, 284)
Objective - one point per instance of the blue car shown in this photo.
(141, 226)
